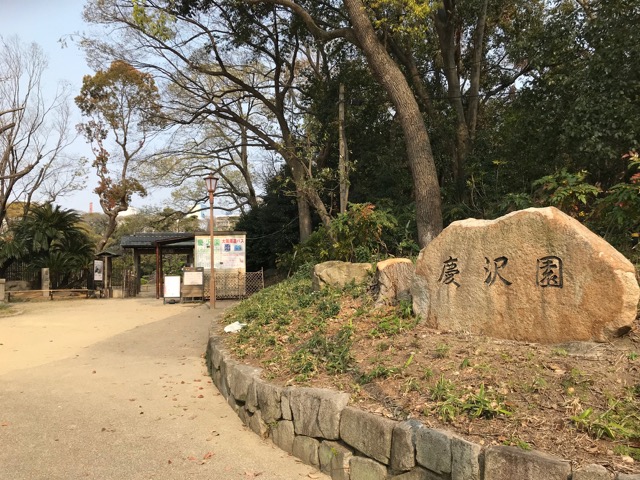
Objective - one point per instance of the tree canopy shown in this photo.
(124, 102)
(450, 110)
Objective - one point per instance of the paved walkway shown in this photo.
(117, 389)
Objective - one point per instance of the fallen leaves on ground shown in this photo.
(544, 388)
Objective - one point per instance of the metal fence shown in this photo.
(234, 285)
(229, 285)
(254, 282)
(31, 278)
(20, 272)
(76, 279)
(128, 283)
(119, 275)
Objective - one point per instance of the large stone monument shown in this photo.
(534, 275)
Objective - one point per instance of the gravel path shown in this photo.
(117, 389)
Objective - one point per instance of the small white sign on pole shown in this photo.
(98, 270)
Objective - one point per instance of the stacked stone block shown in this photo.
(318, 427)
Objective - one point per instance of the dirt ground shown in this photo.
(62, 328)
(118, 389)
(565, 400)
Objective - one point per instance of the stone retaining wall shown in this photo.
(318, 427)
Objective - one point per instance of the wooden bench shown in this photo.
(35, 294)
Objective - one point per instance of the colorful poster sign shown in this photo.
(229, 252)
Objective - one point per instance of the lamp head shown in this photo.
(211, 182)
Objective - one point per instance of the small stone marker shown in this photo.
(338, 274)
(534, 275)
(394, 277)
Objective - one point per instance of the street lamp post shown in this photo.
(211, 182)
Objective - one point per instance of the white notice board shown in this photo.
(172, 286)
(194, 278)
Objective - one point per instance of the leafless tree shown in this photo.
(34, 130)
(195, 53)
(210, 144)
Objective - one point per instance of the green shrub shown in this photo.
(358, 235)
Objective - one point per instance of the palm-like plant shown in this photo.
(48, 237)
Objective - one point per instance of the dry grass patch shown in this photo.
(578, 401)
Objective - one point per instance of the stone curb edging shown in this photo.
(318, 427)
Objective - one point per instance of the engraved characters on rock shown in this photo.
(549, 271)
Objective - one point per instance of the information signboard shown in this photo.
(229, 252)
(98, 270)
(193, 278)
(193, 283)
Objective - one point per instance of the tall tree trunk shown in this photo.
(418, 145)
(307, 197)
(306, 194)
(110, 228)
(343, 152)
(252, 198)
(304, 217)
(448, 36)
(304, 211)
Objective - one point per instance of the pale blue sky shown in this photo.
(45, 22)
